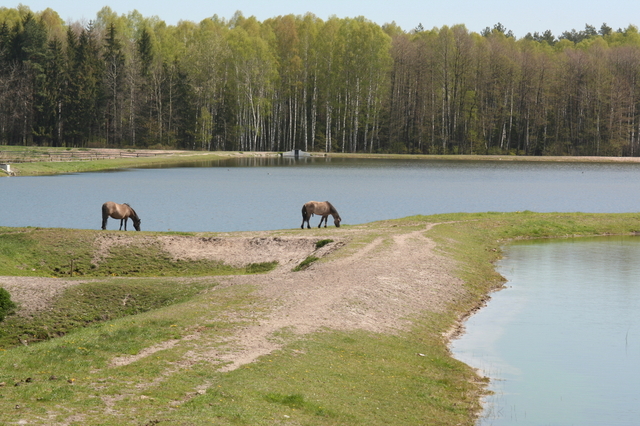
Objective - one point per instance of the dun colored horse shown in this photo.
(321, 208)
(119, 211)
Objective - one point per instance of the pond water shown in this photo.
(267, 194)
(561, 343)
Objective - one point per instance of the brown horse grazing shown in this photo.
(119, 211)
(321, 208)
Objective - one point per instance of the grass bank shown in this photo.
(95, 302)
(68, 253)
(326, 378)
(159, 159)
(74, 255)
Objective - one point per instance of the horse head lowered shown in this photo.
(119, 211)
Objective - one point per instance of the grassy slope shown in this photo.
(327, 378)
(69, 253)
(48, 168)
(66, 253)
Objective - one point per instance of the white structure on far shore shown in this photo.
(296, 153)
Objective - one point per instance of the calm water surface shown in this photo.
(562, 342)
(268, 194)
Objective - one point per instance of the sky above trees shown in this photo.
(521, 17)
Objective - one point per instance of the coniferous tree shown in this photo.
(50, 131)
(301, 82)
(114, 79)
(25, 85)
(81, 109)
(145, 120)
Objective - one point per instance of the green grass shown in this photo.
(71, 254)
(335, 378)
(322, 243)
(67, 253)
(305, 263)
(7, 305)
(70, 375)
(48, 167)
(93, 302)
(330, 378)
(327, 378)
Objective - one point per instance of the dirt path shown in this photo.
(377, 286)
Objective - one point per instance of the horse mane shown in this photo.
(332, 209)
(134, 215)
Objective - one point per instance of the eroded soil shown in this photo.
(369, 279)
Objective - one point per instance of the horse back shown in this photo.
(321, 208)
(108, 208)
(115, 210)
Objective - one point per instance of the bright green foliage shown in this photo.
(346, 85)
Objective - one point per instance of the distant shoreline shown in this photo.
(24, 160)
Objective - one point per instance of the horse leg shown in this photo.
(125, 225)
(304, 216)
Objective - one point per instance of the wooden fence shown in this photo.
(35, 156)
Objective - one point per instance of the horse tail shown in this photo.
(105, 215)
(304, 211)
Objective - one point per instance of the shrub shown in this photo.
(322, 243)
(6, 305)
(259, 268)
(305, 263)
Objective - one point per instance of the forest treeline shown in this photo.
(346, 85)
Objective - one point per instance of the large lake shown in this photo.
(561, 342)
(267, 194)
